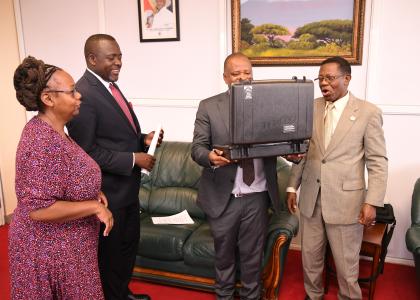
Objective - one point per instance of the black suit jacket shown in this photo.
(105, 133)
(216, 184)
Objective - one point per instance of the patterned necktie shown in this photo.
(248, 173)
(328, 123)
(123, 105)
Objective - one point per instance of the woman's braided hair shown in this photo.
(30, 79)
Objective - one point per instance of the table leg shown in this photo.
(375, 264)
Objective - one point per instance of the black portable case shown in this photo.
(269, 118)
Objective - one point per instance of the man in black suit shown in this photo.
(108, 130)
(235, 197)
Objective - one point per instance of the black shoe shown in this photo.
(138, 297)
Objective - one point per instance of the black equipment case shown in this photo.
(270, 118)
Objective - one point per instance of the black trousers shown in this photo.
(117, 252)
(242, 230)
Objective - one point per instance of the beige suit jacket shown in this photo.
(338, 172)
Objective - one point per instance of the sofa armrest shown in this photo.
(284, 221)
(282, 227)
(412, 239)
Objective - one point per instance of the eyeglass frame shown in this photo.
(73, 91)
(329, 78)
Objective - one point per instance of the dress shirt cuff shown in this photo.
(290, 189)
(134, 159)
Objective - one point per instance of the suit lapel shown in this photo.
(110, 99)
(223, 107)
(347, 119)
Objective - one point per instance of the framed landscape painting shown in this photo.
(298, 32)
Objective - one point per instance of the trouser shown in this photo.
(345, 242)
(117, 252)
(241, 229)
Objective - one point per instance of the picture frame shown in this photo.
(158, 20)
(269, 34)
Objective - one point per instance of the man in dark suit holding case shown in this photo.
(234, 196)
(108, 130)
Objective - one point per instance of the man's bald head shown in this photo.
(237, 67)
(91, 44)
(234, 56)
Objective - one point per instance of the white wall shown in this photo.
(392, 69)
(165, 81)
(12, 114)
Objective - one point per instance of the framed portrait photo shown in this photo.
(159, 20)
(298, 32)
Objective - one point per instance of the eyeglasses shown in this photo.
(328, 78)
(73, 92)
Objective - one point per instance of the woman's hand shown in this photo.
(105, 216)
(102, 199)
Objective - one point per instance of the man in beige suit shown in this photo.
(334, 201)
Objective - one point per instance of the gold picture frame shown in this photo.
(269, 43)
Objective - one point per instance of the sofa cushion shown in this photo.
(179, 168)
(164, 242)
(172, 200)
(173, 183)
(199, 248)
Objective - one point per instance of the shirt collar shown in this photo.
(341, 103)
(104, 82)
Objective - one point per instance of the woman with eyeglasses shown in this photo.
(53, 237)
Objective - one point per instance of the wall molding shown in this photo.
(101, 16)
(403, 110)
(21, 40)
(19, 29)
(165, 103)
(224, 29)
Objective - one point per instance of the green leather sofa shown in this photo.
(412, 237)
(183, 255)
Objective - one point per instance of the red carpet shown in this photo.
(397, 282)
(4, 265)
